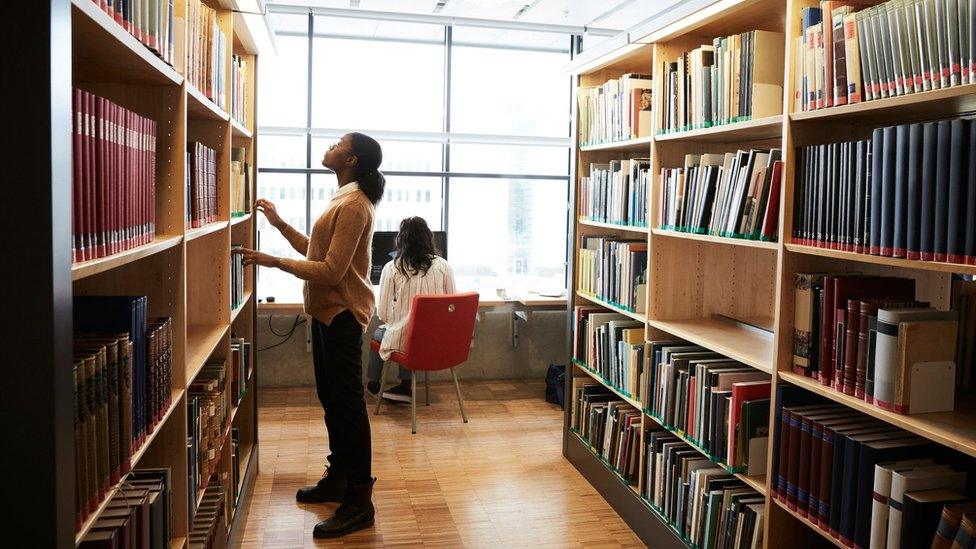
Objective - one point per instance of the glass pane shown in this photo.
(384, 85)
(520, 159)
(287, 191)
(398, 156)
(282, 151)
(289, 22)
(283, 86)
(509, 92)
(405, 196)
(507, 233)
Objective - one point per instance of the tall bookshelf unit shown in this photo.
(185, 273)
(697, 284)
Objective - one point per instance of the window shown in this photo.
(483, 155)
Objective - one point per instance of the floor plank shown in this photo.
(499, 480)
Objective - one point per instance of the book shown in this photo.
(616, 192)
(614, 270)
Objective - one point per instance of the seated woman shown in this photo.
(417, 269)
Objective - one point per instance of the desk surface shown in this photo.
(536, 300)
(486, 301)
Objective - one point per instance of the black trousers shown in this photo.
(338, 361)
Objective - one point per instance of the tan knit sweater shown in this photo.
(337, 257)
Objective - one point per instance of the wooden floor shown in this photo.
(498, 481)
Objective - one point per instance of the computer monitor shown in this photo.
(384, 250)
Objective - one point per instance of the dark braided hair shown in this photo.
(415, 247)
(369, 156)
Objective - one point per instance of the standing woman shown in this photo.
(339, 297)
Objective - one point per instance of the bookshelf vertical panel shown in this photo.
(169, 450)
(207, 278)
(678, 283)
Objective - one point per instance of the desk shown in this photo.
(530, 302)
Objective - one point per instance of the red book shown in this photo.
(151, 201)
(89, 108)
(851, 332)
(803, 465)
(742, 391)
(793, 461)
(77, 246)
(101, 171)
(779, 483)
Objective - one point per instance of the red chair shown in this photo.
(438, 338)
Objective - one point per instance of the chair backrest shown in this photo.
(439, 330)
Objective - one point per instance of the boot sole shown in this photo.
(345, 531)
(337, 499)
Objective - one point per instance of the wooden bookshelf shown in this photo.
(770, 127)
(641, 143)
(239, 129)
(747, 344)
(745, 242)
(209, 228)
(613, 226)
(898, 262)
(609, 306)
(940, 103)
(826, 536)
(161, 242)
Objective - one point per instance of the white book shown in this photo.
(921, 44)
(953, 41)
(942, 36)
(913, 480)
(882, 490)
(965, 37)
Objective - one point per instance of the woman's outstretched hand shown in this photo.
(267, 207)
(254, 257)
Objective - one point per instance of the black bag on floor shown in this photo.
(556, 384)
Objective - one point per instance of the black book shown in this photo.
(851, 448)
(921, 512)
(900, 229)
(969, 227)
(959, 147)
(914, 183)
(840, 465)
(823, 203)
(868, 178)
(857, 209)
(888, 169)
(940, 230)
(877, 163)
(930, 143)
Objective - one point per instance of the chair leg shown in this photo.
(379, 396)
(426, 388)
(457, 389)
(413, 403)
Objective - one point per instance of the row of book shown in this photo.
(619, 110)
(150, 21)
(139, 515)
(733, 79)
(909, 191)
(123, 380)
(895, 48)
(113, 202)
(237, 278)
(240, 352)
(609, 344)
(237, 465)
(614, 270)
(211, 520)
(731, 195)
(206, 44)
(240, 183)
(239, 88)
(610, 426)
(207, 414)
(868, 337)
(863, 481)
(201, 184)
(616, 192)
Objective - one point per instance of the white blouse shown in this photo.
(396, 295)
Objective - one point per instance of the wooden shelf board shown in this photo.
(91, 267)
(746, 344)
(636, 316)
(198, 106)
(239, 129)
(103, 51)
(916, 106)
(201, 340)
(957, 430)
(640, 142)
(197, 232)
(756, 482)
(614, 226)
(134, 459)
(770, 127)
(241, 218)
(237, 310)
(809, 524)
(882, 260)
(606, 384)
(177, 543)
(762, 245)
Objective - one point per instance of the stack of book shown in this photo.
(899, 47)
(610, 345)
(706, 504)
(113, 178)
(616, 192)
(909, 191)
(619, 110)
(240, 183)
(730, 195)
(210, 522)
(865, 482)
(238, 88)
(201, 184)
(207, 61)
(237, 275)
(868, 337)
(240, 351)
(138, 515)
(614, 270)
(150, 21)
(733, 79)
(610, 426)
(207, 418)
(719, 405)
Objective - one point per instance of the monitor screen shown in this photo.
(384, 250)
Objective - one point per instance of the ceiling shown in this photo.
(603, 14)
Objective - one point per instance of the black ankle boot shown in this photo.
(355, 513)
(330, 488)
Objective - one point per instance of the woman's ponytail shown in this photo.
(369, 156)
